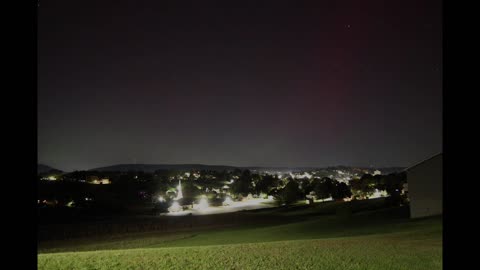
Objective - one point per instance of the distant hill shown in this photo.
(389, 170)
(281, 169)
(153, 167)
(186, 167)
(41, 169)
(149, 168)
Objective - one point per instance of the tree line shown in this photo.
(131, 187)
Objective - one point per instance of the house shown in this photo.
(97, 181)
(104, 181)
(425, 187)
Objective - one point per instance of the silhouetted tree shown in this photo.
(255, 179)
(290, 193)
(243, 185)
(363, 187)
(304, 187)
(266, 183)
(190, 192)
(341, 191)
(323, 188)
(394, 185)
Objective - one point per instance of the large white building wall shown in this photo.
(425, 182)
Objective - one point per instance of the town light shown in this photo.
(228, 201)
(175, 207)
(203, 204)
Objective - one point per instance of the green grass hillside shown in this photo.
(379, 239)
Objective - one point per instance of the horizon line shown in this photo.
(234, 166)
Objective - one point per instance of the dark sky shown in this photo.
(283, 84)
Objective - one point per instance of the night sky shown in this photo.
(284, 84)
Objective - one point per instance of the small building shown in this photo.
(50, 177)
(105, 181)
(97, 181)
(425, 187)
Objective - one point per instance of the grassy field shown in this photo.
(379, 239)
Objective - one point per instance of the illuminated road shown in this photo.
(234, 207)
